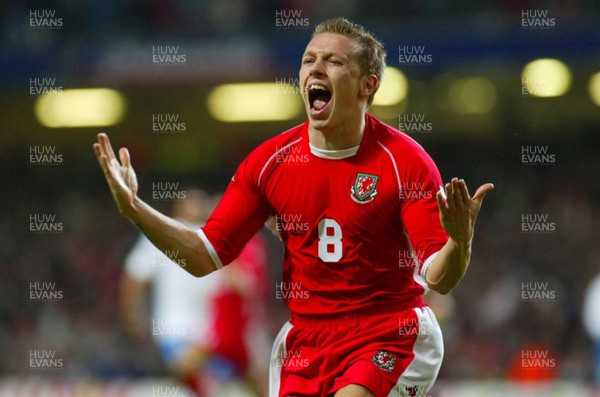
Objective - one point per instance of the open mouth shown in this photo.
(318, 97)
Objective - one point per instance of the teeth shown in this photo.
(317, 87)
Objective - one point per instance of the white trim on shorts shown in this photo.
(279, 350)
(422, 372)
(429, 351)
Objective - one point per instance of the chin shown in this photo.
(319, 122)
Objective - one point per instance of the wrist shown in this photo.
(131, 211)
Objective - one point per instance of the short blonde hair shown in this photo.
(371, 55)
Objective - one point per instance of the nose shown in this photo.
(317, 67)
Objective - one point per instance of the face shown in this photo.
(333, 87)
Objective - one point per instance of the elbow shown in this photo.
(196, 273)
(441, 289)
(443, 286)
(444, 283)
(199, 269)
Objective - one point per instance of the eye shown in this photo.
(336, 62)
(307, 61)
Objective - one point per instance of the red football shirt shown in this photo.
(358, 226)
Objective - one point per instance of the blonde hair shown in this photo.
(371, 55)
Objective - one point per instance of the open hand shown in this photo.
(458, 210)
(120, 176)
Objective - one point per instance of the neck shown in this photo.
(343, 136)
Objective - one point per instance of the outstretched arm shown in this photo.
(458, 212)
(165, 233)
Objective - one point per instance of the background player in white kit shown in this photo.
(184, 313)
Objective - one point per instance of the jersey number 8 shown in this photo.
(330, 240)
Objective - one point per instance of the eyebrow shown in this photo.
(329, 54)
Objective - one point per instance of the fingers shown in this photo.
(464, 191)
(449, 197)
(454, 195)
(457, 193)
(130, 177)
(101, 148)
(106, 156)
(106, 146)
(97, 150)
(125, 158)
(102, 159)
(482, 191)
(441, 203)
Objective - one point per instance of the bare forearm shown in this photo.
(178, 242)
(448, 267)
(132, 297)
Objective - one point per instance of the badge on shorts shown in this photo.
(364, 190)
(384, 361)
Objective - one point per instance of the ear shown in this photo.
(369, 85)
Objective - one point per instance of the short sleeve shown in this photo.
(241, 213)
(419, 209)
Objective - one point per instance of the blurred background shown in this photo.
(502, 92)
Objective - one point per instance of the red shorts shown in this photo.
(397, 353)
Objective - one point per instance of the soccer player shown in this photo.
(351, 198)
(202, 326)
